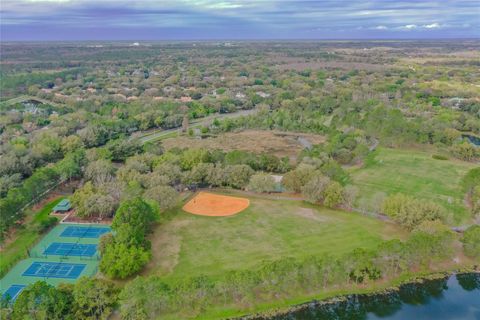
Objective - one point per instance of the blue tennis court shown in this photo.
(84, 232)
(71, 249)
(13, 292)
(54, 270)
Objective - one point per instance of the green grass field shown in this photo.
(190, 245)
(414, 173)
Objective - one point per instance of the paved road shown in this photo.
(158, 134)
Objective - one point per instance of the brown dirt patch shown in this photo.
(215, 205)
(166, 245)
(280, 144)
(73, 218)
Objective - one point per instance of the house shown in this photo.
(168, 89)
(185, 99)
(263, 94)
(62, 207)
(240, 95)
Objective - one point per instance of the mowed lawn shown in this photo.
(190, 245)
(417, 174)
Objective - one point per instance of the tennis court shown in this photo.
(84, 232)
(54, 270)
(66, 253)
(12, 293)
(71, 249)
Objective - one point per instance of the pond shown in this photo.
(473, 139)
(456, 297)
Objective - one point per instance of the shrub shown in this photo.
(133, 220)
(119, 261)
(46, 224)
(238, 176)
(296, 179)
(43, 301)
(165, 196)
(314, 189)
(464, 151)
(439, 157)
(333, 195)
(261, 182)
(471, 241)
(410, 212)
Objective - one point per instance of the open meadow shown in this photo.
(192, 245)
(414, 173)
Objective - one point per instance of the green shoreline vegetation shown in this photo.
(287, 306)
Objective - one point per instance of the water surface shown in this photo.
(453, 298)
(473, 139)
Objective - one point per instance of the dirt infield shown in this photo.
(215, 205)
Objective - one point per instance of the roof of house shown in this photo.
(63, 205)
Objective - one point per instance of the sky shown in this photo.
(46, 20)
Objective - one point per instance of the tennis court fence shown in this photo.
(37, 255)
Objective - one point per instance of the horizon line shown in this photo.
(243, 40)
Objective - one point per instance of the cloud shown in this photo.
(240, 18)
(409, 27)
(225, 5)
(434, 25)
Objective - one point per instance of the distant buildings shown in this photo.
(185, 99)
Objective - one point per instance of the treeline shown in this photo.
(88, 298)
(43, 179)
(368, 121)
(117, 118)
(31, 165)
(157, 176)
(21, 155)
(26, 147)
(151, 297)
(19, 83)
